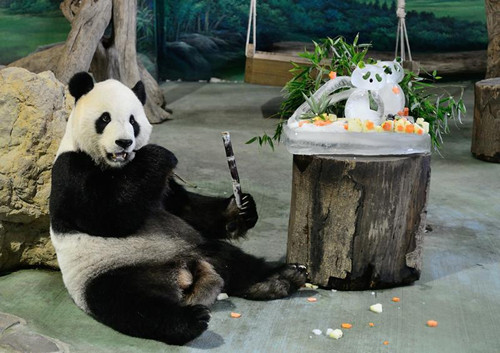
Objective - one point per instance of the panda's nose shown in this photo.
(123, 143)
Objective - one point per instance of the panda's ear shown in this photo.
(80, 84)
(140, 91)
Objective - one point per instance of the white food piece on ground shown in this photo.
(376, 308)
(335, 333)
(311, 286)
(222, 296)
(317, 332)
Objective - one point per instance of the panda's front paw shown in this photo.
(248, 211)
(239, 220)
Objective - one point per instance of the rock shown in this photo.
(17, 337)
(148, 64)
(34, 110)
(186, 62)
(202, 43)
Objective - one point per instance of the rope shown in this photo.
(402, 35)
(252, 26)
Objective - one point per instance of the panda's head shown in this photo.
(108, 121)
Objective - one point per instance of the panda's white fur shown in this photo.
(120, 102)
(82, 257)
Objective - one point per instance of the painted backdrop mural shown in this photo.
(200, 39)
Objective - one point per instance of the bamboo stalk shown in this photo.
(231, 161)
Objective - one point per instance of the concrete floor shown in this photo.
(459, 287)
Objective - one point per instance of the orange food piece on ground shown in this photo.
(396, 299)
(432, 323)
(346, 325)
(332, 75)
(346, 127)
(312, 299)
(371, 324)
(386, 343)
(396, 90)
(409, 128)
(235, 315)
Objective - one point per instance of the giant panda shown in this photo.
(137, 251)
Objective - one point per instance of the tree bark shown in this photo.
(161, 38)
(358, 222)
(486, 125)
(87, 29)
(105, 56)
(493, 23)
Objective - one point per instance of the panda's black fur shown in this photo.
(137, 251)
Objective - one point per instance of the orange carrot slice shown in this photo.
(346, 325)
(409, 128)
(371, 324)
(432, 323)
(312, 299)
(332, 75)
(235, 315)
(387, 126)
(396, 299)
(386, 343)
(396, 90)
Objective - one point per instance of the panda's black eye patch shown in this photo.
(102, 122)
(135, 125)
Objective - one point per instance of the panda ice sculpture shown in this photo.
(391, 93)
(368, 80)
(137, 251)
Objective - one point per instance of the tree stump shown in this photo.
(493, 24)
(486, 126)
(358, 222)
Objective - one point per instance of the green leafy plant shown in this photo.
(424, 99)
(317, 107)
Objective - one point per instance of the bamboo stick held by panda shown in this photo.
(231, 161)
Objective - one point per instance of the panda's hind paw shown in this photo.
(193, 321)
(296, 274)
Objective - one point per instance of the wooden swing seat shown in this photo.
(270, 68)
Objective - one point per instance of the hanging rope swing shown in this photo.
(270, 68)
(402, 41)
(266, 68)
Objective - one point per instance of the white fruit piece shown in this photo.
(376, 308)
(336, 334)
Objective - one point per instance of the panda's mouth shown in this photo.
(118, 157)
